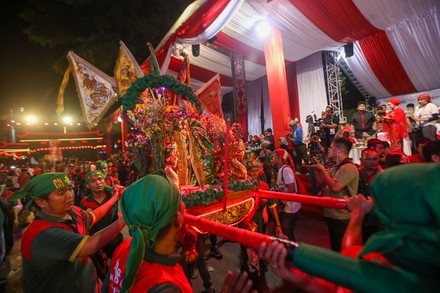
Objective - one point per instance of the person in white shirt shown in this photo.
(423, 115)
(286, 182)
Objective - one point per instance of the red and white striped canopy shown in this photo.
(396, 42)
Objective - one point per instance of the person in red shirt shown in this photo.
(394, 122)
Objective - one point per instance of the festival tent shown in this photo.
(395, 46)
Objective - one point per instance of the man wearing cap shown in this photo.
(147, 261)
(99, 194)
(56, 247)
(394, 122)
(363, 123)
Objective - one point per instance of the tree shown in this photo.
(93, 28)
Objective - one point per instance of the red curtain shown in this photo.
(201, 19)
(292, 85)
(385, 64)
(277, 81)
(339, 19)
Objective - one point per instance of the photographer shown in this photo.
(329, 124)
(316, 149)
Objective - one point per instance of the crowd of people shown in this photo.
(73, 222)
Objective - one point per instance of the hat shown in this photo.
(148, 205)
(283, 154)
(394, 101)
(252, 164)
(41, 185)
(91, 173)
(361, 103)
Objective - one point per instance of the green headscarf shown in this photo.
(41, 185)
(407, 201)
(148, 205)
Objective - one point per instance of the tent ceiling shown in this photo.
(396, 41)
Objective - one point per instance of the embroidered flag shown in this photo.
(127, 70)
(209, 94)
(96, 90)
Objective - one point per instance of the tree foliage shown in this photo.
(93, 28)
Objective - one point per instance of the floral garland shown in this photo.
(153, 80)
(209, 195)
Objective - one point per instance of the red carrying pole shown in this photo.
(225, 169)
(242, 236)
(327, 202)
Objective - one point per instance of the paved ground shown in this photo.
(310, 229)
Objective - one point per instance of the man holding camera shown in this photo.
(363, 123)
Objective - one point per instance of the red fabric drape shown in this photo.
(293, 91)
(277, 81)
(341, 20)
(199, 73)
(201, 19)
(382, 59)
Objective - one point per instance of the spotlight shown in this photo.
(263, 28)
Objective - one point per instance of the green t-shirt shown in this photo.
(54, 265)
(347, 174)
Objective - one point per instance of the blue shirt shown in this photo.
(297, 134)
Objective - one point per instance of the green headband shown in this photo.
(148, 205)
(91, 173)
(42, 184)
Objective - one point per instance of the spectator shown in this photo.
(369, 168)
(299, 145)
(394, 122)
(268, 136)
(425, 115)
(286, 182)
(418, 157)
(329, 124)
(431, 151)
(342, 180)
(414, 131)
(395, 158)
(363, 123)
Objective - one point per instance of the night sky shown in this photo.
(26, 79)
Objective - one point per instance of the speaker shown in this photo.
(195, 50)
(348, 50)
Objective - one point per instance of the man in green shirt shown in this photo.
(56, 247)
